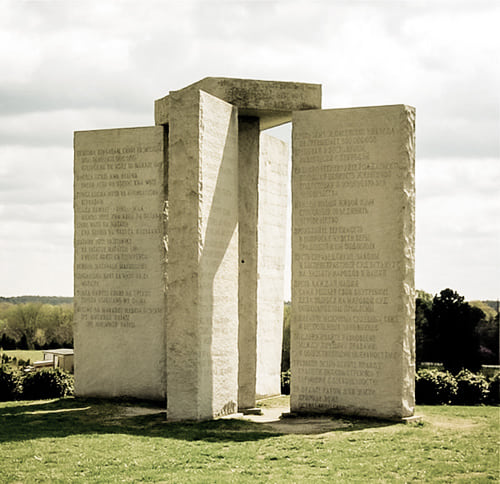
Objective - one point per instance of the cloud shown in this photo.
(55, 128)
(438, 61)
(36, 270)
(458, 177)
(36, 220)
(41, 234)
(70, 66)
(121, 56)
(86, 54)
(34, 175)
(457, 235)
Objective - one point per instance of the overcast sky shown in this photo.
(76, 65)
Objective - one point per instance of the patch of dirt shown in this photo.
(139, 411)
(124, 412)
(452, 423)
(270, 419)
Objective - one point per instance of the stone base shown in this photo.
(230, 416)
(250, 411)
(406, 420)
(290, 415)
(413, 419)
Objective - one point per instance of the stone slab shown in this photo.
(248, 195)
(271, 101)
(119, 275)
(412, 420)
(272, 226)
(263, 196)
(202, 324)
(353, 226)
(252, 411)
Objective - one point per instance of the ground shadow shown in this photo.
(73, 416)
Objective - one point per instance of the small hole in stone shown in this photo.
(242, 261)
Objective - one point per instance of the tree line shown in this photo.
(54, 300)
(34, 325)
(448, 329)
(454, 332)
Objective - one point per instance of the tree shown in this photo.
(453, 324)
(423, 336)
(36, 325)
(59, 325)
(23, 320)
(6, 342)
(285, 352)
(488, 331)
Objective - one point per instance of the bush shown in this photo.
(494, 394)
(472, 388)
(285, 382)
(434, 387)
(8, 384)
(47, 383)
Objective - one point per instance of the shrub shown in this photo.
(472, 388)
(435, 387)
(494, 394)
(8, 384)
(285, 382)
(47, 383)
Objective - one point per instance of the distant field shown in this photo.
(78, 440)
(32, 355)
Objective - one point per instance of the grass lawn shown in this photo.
(78, 440)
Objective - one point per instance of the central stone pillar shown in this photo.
(249, 147)
(202, 298)
(273, 202)
(263, 195)
(262, 165)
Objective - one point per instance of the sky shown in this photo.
(72, 65)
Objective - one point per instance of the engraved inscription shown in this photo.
(347, 259)
(118, 233)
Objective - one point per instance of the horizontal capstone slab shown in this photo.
(271, 101)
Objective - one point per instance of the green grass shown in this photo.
(80, 440)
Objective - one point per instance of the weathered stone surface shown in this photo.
(353, 261)
(263, 175)
(271, 101)
(119, 263)
(202, 325)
